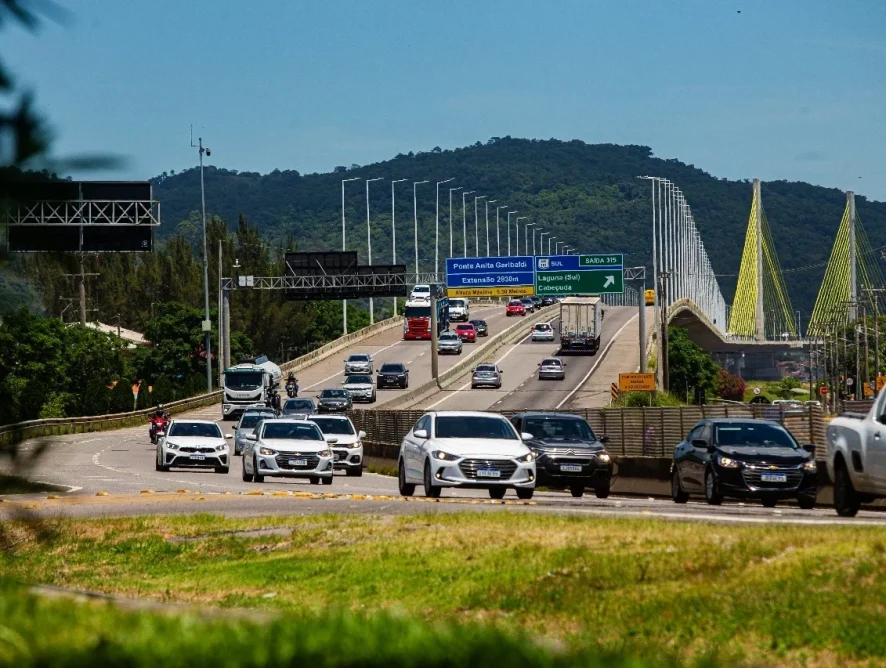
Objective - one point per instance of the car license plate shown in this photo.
(773, 477)
(488, 473)
(570, 468)
(198, 458)
(298, 462)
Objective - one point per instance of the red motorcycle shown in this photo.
(157, 428)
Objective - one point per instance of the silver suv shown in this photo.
(448, 342)
(358, 363)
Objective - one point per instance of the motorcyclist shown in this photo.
(159, 420)
(292, 385)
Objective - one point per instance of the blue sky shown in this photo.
(787, 89)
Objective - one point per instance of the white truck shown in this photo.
(459, 310)
(247, 384)
(581, 321)
(857, 457)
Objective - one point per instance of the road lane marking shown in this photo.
(341, 373)
(597, 363)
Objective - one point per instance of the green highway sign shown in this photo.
(579, 274)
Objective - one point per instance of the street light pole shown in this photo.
(369, 245)
(488, 202)
(344, 302)
(464, 222)
(207, 324)
(519, 218)
(526, 235)
(415, 218)
(451, 190)
(541, 241)
(394, 230)
(497, 233)
(437, 229)
(509, 230)
(550, 239)
(477, 227)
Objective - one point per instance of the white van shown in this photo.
(459, 310)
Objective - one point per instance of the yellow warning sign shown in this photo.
(636, 382)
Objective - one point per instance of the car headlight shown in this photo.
(443, 456)
(525, 459)
(266, 451)
(325, 453)
(728, 463)
(604, 457)
(810, 465)
(222, 447)
(358, 444)
(171, 446)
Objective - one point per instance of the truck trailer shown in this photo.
(580, 324)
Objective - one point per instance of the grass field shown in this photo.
(675, 592)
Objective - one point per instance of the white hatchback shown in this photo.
(543, 332)
(193, 444)
(288, 448)
(348, 447)
(466, 449)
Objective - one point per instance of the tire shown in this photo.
(806, 502)
(473, 387)
(315, 481)
(711, 493)
(497, 493)
(256, 476)
(354, 473)
(524, 494)
(602, 492)
(677, 493)
(247, 477)
(326, 481)
(222, 469)
(846, 501)
(406, 489)
(769, 503)
(577, 491)
(430, 491)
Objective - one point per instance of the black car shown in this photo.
(302, 406)
(481, 327)
(548, 301)
(568, 453)
(393, 374)
(536, 302)
(334, 400)
(528, 304)
(744, 459)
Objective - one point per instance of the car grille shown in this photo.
(469, 468)
(204, 450)
(569, 452)
(752, 476)
(283, 462)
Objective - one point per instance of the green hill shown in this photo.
(586, 195)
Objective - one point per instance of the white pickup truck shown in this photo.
(857, 458)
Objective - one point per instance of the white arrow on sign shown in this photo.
(609, 281)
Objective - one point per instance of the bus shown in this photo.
(650, 297)
(417, 318)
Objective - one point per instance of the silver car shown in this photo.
(361, 388)
(250, 418)
(552, 368)
(488, 375)
(543, 332)
(449, 343)
(358, 363)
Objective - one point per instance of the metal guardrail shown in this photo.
(635, 432)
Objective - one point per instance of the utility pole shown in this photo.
(760, 322)
(434, 356)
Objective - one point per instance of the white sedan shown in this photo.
(193, 444)
(288, 448)
(348, 447)
(466, 449)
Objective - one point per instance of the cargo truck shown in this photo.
(248, 384)
(580, 324)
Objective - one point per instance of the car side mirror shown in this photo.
(229, 436)
(361, 434)
(526, 436)
(501, 372)
(420, 433)
(882, 419)
(603, 439)
(250, 437)
(810, 448)
(332, 439)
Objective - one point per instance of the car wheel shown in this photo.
(806, 502)
(524, 494)
(602, 490)
(711, 493)
(247, 477)
(315, 481)
(256, 475)
(326, 481)
(430, 491)
(354, 473)
(768, 502)
(406, 489)
(846, 501)
(473, 387)
(677, 493)
(578, 491)
(497, 493)
(222, 469)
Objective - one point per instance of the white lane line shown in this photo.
(468, 384)
(597, 363)
(340, 373)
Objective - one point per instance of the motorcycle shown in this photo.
(157, 429)
(292, 389)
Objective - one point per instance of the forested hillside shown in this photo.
(586, 195)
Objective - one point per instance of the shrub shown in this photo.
(730, 386)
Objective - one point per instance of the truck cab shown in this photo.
(247, 384)
(856, 458)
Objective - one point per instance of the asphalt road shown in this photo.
(112, 474)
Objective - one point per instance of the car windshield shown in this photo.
(334, 425)
(195, 429)
(559, 428)
(458, 303)
(334, 394)
(358, 358)
(421, 288)
(448, 337)
(485, 367)
(296, 431)
(392, 368)
(474, 427)
(359, 380)
(551, 361)
(515, 303)
(242, 380)
(478, 323)
(249, 421)
(298, 405)
(542, 328)
(756, 434)
(418, 312)
(465, 326)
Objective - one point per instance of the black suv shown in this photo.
(548, 301)
(334, 400)
(481, 327)
(568, 453)
(393, 374)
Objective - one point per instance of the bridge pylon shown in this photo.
(762, 307)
